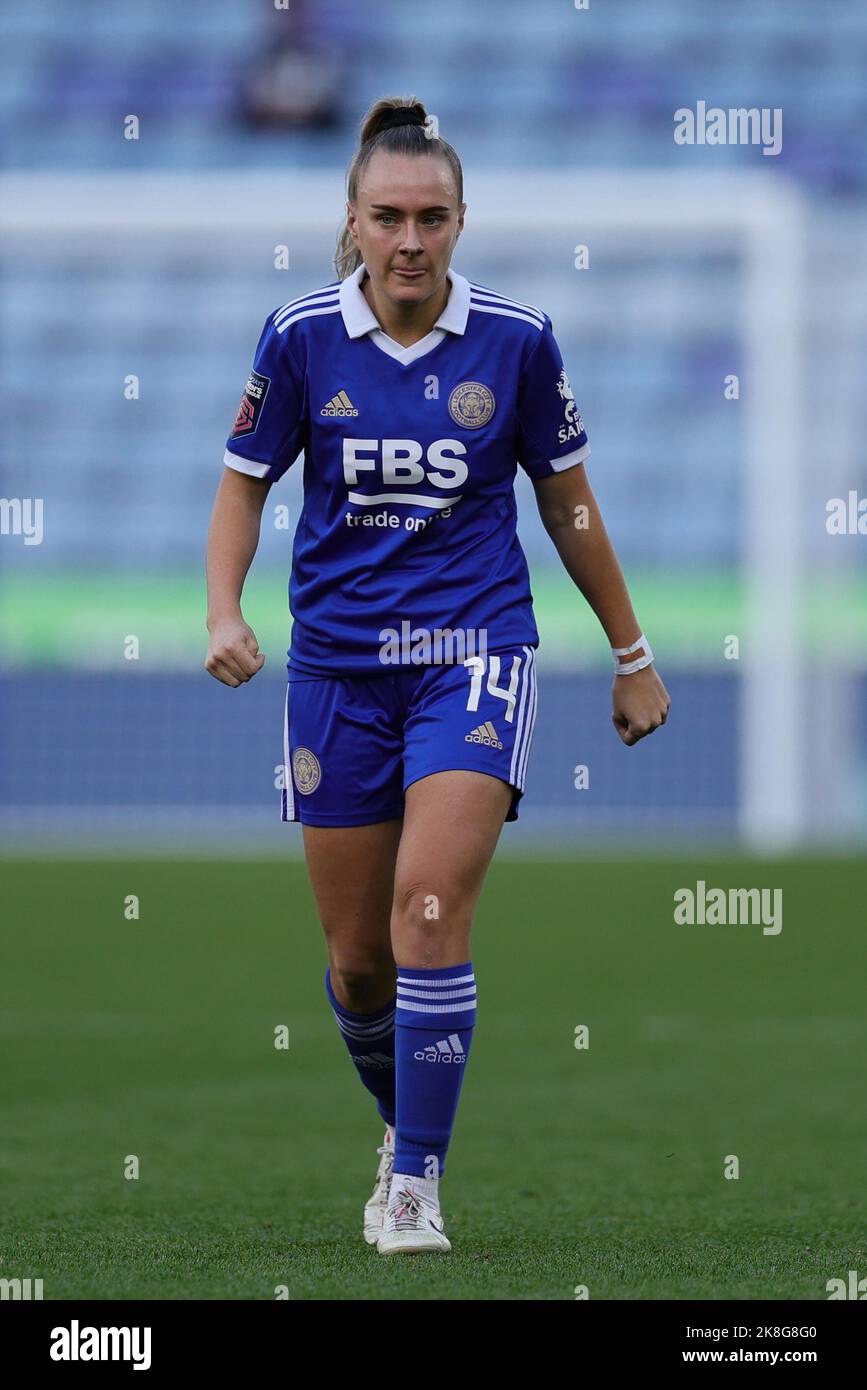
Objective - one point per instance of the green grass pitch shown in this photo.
(601, 1167)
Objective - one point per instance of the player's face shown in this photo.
(405, 222)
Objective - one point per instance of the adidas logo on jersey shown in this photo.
(446, 1050)
(486, 734)
(339, 405)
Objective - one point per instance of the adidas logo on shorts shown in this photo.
(339, 405)
(446, 1050)
(486, 734)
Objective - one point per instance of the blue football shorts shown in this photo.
(353, 744)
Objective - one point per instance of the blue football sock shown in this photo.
(370, 1039)
(436, 1013)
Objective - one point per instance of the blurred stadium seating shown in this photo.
(522, 83)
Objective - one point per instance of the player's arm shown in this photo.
(571, 516)
(269, 431)
(233, 651)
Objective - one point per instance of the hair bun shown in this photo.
(412, 113)
(402, 115)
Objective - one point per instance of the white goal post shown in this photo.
(755, 214)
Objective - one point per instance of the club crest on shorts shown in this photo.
(471, 404)
(306, 771)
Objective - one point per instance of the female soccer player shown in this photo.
(411, 699)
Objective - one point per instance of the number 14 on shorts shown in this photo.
(478, 667)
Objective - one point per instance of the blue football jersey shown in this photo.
(410, 457)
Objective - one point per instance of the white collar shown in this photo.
(359, 318)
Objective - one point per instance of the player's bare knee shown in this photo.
(425, 918)
(362, 980)
(416, 902)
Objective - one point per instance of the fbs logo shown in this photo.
(448, 1049)
(486, 734)
(339, 405)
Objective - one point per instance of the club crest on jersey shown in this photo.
(471, 404)
(574, 424)
(251, 404)
(306, 771)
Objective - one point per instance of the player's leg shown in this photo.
(452, 823)
(467, 742)
(351, 870)
(352, 874)
(451, 826)
(343, 758)
(344, 783)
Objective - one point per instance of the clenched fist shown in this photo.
(233, 651)
(640, 704)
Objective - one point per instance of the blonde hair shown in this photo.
(379, 132)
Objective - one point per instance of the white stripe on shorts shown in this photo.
(526, 717)
(531, 724)
(288, 789)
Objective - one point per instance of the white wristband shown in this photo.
(626, 667)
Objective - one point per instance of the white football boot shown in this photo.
(412, 1226)
(377, 1205)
